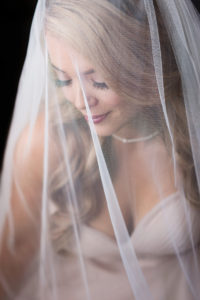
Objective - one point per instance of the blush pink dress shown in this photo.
(155, 249)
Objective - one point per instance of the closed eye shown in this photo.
(100, 85)
(61, 83)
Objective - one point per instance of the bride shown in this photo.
(100, 186)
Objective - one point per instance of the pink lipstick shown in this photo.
(97, 118)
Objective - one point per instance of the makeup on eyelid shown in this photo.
(67, 82)
(98, 85)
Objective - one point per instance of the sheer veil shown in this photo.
(101, 174)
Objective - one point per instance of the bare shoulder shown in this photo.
(29, 154)
(25, 205)
(28, 171)
(27, 177)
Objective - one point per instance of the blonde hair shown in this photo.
(105, 34)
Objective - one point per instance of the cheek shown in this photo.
(120, 106)
(112, 100)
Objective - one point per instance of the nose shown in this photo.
(79, 101)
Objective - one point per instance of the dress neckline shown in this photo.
(140, 224)
(151, 235)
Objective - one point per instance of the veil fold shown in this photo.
(99, 193)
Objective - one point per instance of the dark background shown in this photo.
(15, 20)
(16, 17)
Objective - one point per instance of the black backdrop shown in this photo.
(15, 21)
(16, 16)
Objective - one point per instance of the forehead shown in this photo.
(65, 57)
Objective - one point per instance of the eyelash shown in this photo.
(62, 83)
(98, 85)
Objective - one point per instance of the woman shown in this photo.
(100, 184)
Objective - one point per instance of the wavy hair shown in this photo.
(113, 38)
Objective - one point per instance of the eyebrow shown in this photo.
(88, 72)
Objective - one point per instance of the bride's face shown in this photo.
(75, 74)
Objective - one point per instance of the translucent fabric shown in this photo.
(100, 184)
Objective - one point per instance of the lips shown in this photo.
(97, 118)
